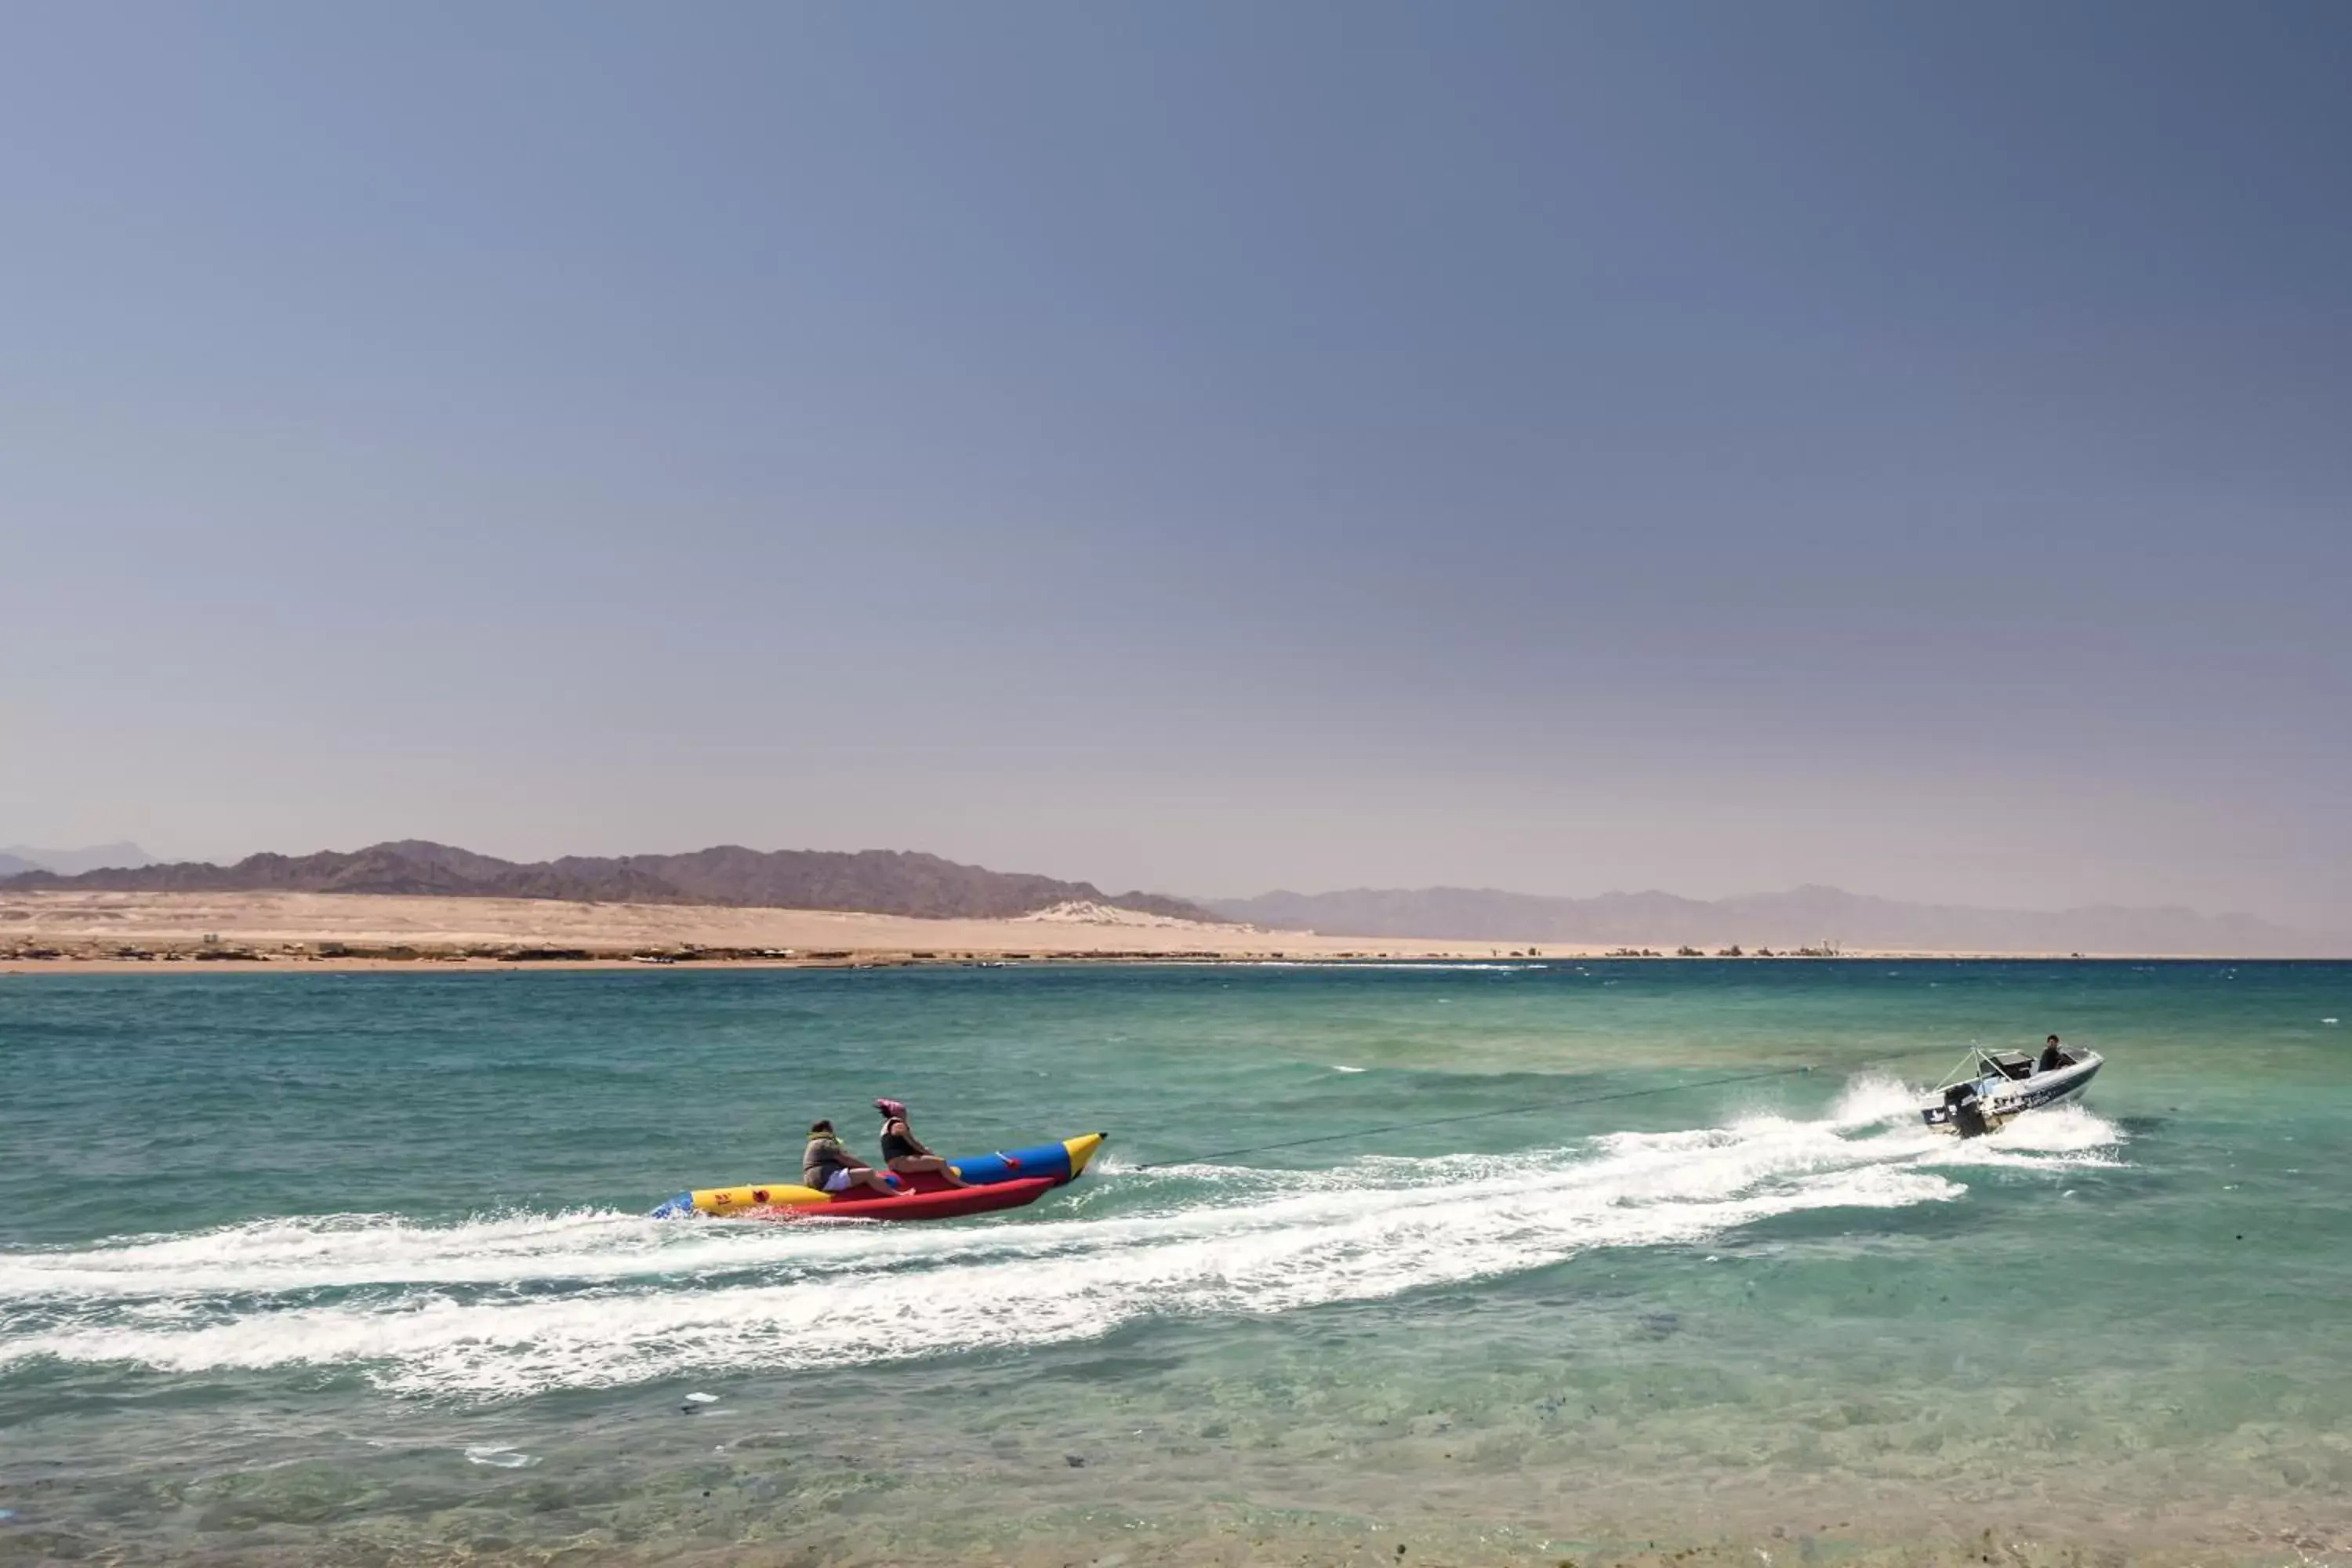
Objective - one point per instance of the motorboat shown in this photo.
(1991, 1089)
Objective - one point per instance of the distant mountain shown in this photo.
(18, 858)
(870, 881)
(1803, 916)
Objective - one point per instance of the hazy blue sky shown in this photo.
(1208, 446)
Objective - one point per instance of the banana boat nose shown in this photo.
(1082, 1148)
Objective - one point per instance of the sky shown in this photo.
(1205, 447)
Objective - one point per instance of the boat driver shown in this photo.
(830, 1168)
(2053, 1057)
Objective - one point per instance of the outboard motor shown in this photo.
(1966, 1110)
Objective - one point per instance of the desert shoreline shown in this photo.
(117, 932)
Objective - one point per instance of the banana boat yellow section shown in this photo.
(727, 1200)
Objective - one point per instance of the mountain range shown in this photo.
(19, 858)
(873, 881)
(882, 881)
(1803, 916)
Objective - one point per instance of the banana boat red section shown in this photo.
(919, 1199)
(1004, 1180)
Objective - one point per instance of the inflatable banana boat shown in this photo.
(1006, 1180)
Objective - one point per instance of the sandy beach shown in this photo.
(97, 931)
(87, 930)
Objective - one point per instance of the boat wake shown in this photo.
(515, 1304)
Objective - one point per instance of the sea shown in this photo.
(1505, 1262)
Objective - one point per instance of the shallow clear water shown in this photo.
(354, 1266)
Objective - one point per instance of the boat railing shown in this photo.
(1983, 1062)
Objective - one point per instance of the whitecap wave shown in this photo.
(499, 1458)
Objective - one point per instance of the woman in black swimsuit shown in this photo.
(906, 1153)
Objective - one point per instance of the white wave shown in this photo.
(2062, 1136)
(590, 1300)
(500, 1458)
(343, 1250)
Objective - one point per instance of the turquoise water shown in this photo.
(354, 1267)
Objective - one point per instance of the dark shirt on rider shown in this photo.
(820, 1159)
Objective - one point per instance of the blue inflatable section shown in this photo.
(1044, 1160)
(679, 1208)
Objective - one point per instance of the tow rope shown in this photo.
(1563, 1104)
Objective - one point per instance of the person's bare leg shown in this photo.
(869, 1177)
(915, 1164)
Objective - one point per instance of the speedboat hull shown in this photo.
(1004, 1180)
(1976, 1106)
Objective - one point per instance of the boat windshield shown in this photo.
(1983, 1063)
(2008, 1063)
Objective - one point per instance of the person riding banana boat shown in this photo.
(829, 1167)
(907, 1154)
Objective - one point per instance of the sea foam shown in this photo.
(514, 1304)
